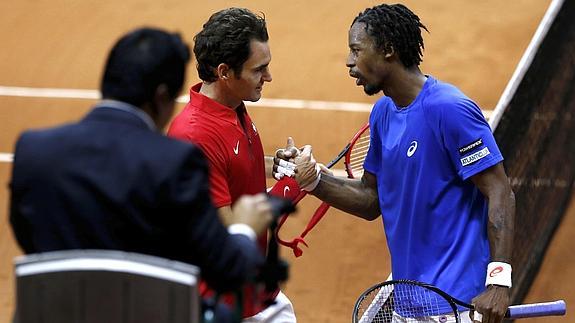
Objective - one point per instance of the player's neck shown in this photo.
(405, 88)
(220, 94)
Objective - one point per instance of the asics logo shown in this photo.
(237, 148)
(412, 148)
(495, 271)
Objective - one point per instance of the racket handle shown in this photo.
(537, 309)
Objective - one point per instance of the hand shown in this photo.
(283, 160)
(289, 153)
(492, 304)
(324, 169)
(307, 169)
(282, 168)
(253, 210)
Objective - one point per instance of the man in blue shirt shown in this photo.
(433, 169)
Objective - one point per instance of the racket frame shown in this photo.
(513, 312)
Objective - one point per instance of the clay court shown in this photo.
(476, 45)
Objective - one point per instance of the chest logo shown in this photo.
(286, 190)
(237, 148)
(412, 148)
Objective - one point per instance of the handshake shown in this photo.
(260, 210)
(298, 164)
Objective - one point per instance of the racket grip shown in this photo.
(535, 310)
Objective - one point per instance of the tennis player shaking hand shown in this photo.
(433, 170)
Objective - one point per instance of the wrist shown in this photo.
(311, 186)
(498, 274)
(244, 229)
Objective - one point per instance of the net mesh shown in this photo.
(535, 135)
(403, 302)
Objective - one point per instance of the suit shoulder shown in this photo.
(176, 149)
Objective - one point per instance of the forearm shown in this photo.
(501, 226)
(225, 215)
(349, 195)
(269, 165)
(494, 185)
(493, 302)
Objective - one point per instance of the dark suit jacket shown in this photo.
(109, 182)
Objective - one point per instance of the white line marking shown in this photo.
(273, 103)
(6, 158)
(95, 95)
(49, 93)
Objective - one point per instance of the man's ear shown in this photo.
(162, 107)
(162, 95)
(389, 51)
(223, 71)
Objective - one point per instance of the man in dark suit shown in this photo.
(113, 181)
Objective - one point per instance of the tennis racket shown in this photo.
(413, 301)
(354, 155)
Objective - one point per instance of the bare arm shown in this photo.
(252, 210)
(269, 164)
(355, 196)
(494, 185)
(226, 215)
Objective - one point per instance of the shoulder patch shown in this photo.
(465, 149)
(475, 157)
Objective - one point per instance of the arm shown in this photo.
(494, 185)
(358, 197)
(255, 213)
(355, 196)
(198, 236)
(225, 214)
(269, 162)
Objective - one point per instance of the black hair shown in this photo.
(142, 60)
(395, 26)
(225, 38)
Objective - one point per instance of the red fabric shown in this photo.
(236, 162)
(217, 130)
(286, 187)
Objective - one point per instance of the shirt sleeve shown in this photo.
(372, 161)
(468, 138)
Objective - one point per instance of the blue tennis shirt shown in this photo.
(435, 219)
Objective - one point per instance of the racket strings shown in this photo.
(404, 303)
(357, 154)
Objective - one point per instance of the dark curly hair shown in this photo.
(226, 38)
(395, 26)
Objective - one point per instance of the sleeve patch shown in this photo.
(475, 157)
(465, 149)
